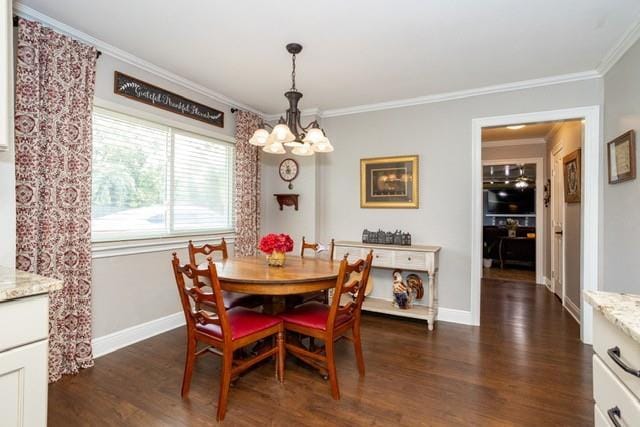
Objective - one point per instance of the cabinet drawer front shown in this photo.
(354, 253)
(599, 418)
(24, 320)
(607, 336)
(411, 260)
(382, 258)
(23, 385)
(609, 392)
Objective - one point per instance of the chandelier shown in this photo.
(289, 132)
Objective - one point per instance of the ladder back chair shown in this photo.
(331, 323)
(231, 299)
(221, 330)
(320, 296)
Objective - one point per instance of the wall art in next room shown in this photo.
(389, 182)
(153, 95)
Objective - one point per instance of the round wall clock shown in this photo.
(288, 171)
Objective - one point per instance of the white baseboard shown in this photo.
(117, 340)
(455, 316)
(573, 309)
(547, 283)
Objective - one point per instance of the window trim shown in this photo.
(115, 245)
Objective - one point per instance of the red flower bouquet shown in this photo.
(276, 243)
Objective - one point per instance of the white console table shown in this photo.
(414, 258)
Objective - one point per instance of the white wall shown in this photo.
(133, 289)
(441, 134)
(295, 223)
(621, 202)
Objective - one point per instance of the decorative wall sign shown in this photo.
(149, 94)
(572, 177)
(389, 182)
(622, 158)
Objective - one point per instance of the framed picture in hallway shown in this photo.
(622, 158)
(572, 177)
(389, 182)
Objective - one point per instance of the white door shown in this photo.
(23, 386)
(557, 224)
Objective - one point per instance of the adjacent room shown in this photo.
(414, 213)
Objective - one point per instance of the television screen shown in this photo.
(511, 202)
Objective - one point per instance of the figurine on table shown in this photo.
(400, 291)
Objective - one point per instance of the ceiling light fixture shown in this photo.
(289, 132)
(515, 127)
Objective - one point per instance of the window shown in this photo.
(151, 180)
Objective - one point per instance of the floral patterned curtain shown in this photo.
(247, 173)
(55, 79)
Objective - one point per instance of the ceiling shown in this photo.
(528, 131)
(355, 52)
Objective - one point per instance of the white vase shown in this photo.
(486, 262)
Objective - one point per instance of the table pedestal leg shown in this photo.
(274, 304)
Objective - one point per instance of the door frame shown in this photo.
(552, 159)
(591, 194)
(539, 162)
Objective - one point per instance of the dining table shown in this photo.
(252, 275)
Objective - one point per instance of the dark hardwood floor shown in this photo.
(524, 366)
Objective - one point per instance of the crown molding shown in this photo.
(513, 142)
(108, 49)
(449, 96)
(625, 42)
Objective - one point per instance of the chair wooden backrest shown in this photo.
(315, 246)
(207, 250)
(193, 297)
(355, 287)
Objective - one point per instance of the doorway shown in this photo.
(512, 194)
(591, 191)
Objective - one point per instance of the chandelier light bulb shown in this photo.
(303, 150)
(314, 136)
(259, 137)
(282, 133)
(274, 148)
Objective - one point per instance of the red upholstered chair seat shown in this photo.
(312, 315)
(235, 299)
(243, 322)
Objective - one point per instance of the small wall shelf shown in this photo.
(287, 200)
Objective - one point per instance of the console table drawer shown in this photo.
(382, 258)
(354, 254)
(611, 344)
(610, 393)
(411, 260)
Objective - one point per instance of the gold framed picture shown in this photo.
(572, 177)
(389, 182)
(621, 153)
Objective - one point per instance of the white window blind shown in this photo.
(151, 180)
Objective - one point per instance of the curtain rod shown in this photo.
(15, 24)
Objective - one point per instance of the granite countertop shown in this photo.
(17, 284)
(623, 310)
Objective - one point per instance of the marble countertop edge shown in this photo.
(621, 309)
(19, 284)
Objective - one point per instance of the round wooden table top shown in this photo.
(252, 275)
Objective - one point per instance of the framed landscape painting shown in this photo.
(622, 158)
(389, 182)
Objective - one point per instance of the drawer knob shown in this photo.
(614, 354)
(614, 415)
(409, 259)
